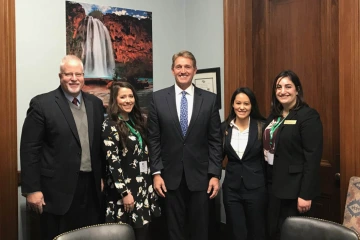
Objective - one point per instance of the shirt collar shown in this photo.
(232, 124)
(189, 90)
(71, 98)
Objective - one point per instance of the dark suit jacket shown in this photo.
(198, 154)
(50, 150)
(298, 151)
(250, 168)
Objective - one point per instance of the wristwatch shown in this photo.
(124, 193)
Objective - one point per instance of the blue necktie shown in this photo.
(183, 113)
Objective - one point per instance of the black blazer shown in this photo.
(198, 154)
(250, 168)
(50, 150)
(298, 151)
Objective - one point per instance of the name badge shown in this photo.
(143, 167)
(290, 122)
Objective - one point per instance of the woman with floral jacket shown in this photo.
(130, 197)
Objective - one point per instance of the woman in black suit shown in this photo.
(244, 190)
(293, 144)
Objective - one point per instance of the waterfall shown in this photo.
(99, 57)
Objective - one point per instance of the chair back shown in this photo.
(307, 228)
(352, 205)
(108, 231)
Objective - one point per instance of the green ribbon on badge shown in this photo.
(133, 131)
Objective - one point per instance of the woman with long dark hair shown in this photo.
(130, 197)
(293, 143)
(244, 190)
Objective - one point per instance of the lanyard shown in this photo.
(274, 127)
(134, 131)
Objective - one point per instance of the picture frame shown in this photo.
(209, 79)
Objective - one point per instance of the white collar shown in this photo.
(232, 124)
(189, 90)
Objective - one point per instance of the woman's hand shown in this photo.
(128, 202)
(303, 205)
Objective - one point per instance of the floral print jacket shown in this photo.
(123, 173)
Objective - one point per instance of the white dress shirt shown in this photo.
(189, 97)
(239, 139)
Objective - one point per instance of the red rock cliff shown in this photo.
(131, 38)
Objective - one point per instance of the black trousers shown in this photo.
(84, 210)
(278, 211)
(142, 233)
(187, 213)
(245, 212)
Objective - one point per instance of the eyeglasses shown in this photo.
(78, 75)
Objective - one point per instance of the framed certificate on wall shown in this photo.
(209, 79)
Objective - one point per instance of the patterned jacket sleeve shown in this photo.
(114, 154)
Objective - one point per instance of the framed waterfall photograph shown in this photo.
(209, 79)
(114, 44)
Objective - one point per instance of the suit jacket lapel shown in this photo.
(198, 100)
(253, 133)
(90, 117)
(170, 98)
(228, 144)
(63, 104)
(289, 116)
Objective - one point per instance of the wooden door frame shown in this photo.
(238, 71)
(349, 93)
(8, 134)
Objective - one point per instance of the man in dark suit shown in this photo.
(185, 150)
(60, 154)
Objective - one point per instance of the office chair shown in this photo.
(307, 228)
(107, 231)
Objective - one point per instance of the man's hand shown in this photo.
(214, 186)
(159, 185)
(35, 201)
(303, 205)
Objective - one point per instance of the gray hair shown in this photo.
(69, 58)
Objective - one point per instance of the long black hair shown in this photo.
(276, 107)
(254, 114)
(135, 115)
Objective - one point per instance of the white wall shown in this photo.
(195, 25)
(205, 35)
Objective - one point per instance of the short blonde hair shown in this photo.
(185, 54)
